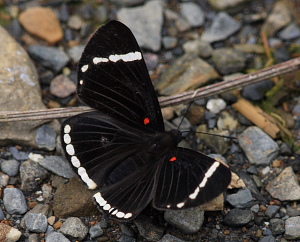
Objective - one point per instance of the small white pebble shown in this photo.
(216, 105)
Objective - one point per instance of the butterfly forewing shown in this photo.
(113, 78)
(188, 178)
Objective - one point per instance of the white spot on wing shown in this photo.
(75, 161)
(84, 176)
(107, 207)
(180, 205)
(209, 173)
(81, 82)
(67, 138)
(84, 68)
(97, 60)
(195, 193)
(131, 56)
(128, 215)
(99, 199)
(67, 129)
(114, 212)
(120, 214)
(70, 149)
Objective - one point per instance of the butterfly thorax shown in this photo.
(161, 143)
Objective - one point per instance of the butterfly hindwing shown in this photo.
(188, 178)
(113, 78)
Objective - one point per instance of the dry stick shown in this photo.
(185, 97)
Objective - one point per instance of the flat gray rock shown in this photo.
(221, 28)
(19, 82)
(145, 23)
(14, 201)
(260, 149)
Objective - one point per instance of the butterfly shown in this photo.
(121, 149)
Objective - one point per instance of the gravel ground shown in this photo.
(185, 45)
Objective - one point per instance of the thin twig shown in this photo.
(185, 97)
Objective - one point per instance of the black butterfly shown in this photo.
(122, 149)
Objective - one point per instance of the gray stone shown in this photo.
(145, 22)
(148, 229)
(49, 57)
(46, 137)
(19, 91)
(36, 222)
(292, 31)
(14, 201)
(221, 28)
(242, 199)
(75, 52)
(3, 179)
(187, 220)
(224, 5)
(55, 237)
(238, 217)
(285, 187)
(169, 42)
(272, 210)
(10, 167)
(74, 228)
(268, 238)
(95, 231)
(200, 48)
(31, 174)
(260, 149)
(228, 60)
(170, 238)
(277, 19)
(277, 226)
(57, 165)
(292, 228)
(192, 13)
(17, 154)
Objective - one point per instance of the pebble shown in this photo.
(169, 42)
(228, 60)
(8, 233)
(272, 210)
(216, 105)
(200, 48)
(17, 154)
(257, 91)
(10, 167)
(55, 237)
(188, 220)
(279, 18)
(75, 52)
(292, 31)
(95, 231)
(292, 228)
(74, 228)
(57, 165)
(222, 27)
(148, 35)
(260, 149)
(269, 238)
(31, 175)
(238, 217)
(223, 5)
(3, 180)
(36, 21)
(49, 57)
(170, 238)
(14, 201)
(46, 137)
(62, 87)
(75, 22)
(193, 13)
(277, 226)
(242, 199)
(285, 187)
(36, 222)
(148, 229)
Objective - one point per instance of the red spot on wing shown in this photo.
(146, 121)
(174, 158)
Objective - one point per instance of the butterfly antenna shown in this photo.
(185, 113)
(223, 136)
